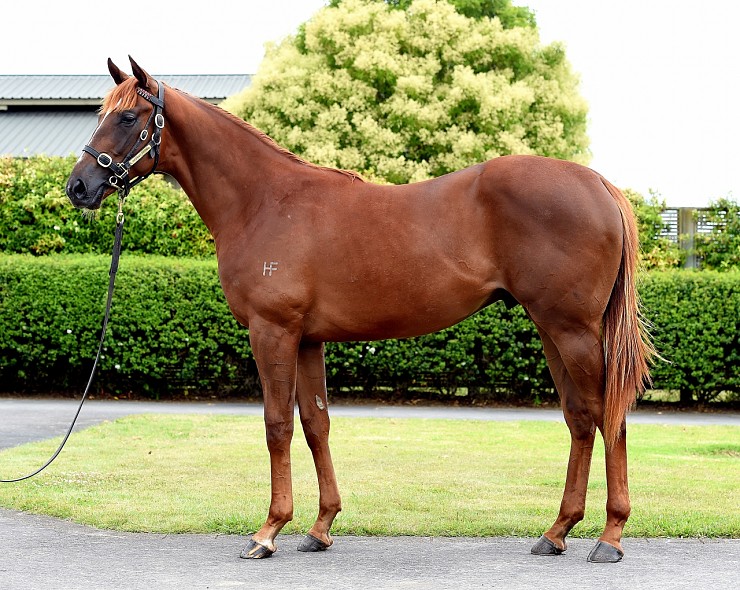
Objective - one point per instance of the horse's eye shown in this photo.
(128, 118)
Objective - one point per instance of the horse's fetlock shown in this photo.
(618, 510)
(280, 517)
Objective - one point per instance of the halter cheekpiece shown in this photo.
(120, 178)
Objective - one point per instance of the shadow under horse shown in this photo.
(308, 255)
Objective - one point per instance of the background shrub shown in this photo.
(657, 252)
(170, 329)
(720, 249)
(36, 216)
(696, 326)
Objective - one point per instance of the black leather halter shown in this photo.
(120, 178)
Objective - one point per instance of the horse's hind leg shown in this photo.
(314, 410)
(582, 428)
(581, 354)
(609, 547)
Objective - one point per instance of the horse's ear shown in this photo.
(117, 75)
(139, 73)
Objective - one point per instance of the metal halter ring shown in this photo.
(159, 120)
(144, 134)
(100, 160)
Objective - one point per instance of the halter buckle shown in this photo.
(159, 120)
(122, 170)
(101, 161)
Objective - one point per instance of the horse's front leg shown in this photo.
(314, 409)
(275, 351)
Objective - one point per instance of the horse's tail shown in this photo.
(627, 347)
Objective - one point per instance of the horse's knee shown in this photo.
(278, 434)
(316, 430)
(581, 423)
(582, 428)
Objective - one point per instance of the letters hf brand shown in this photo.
(268, 268)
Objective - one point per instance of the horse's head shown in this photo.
(124, 148)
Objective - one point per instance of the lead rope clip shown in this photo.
(120, 217)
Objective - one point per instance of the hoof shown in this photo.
(605, 553)
(311, 544)
(254, 550)
(545, 546)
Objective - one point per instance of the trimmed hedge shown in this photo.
(171, 330)
(696, 318)
(170, 327)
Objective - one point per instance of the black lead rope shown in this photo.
(111, 281)
(121, 181)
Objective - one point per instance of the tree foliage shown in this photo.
(405, 95)
(510, 16)
(720, 249)
(657, 252)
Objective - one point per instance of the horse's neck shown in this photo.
(225, 170)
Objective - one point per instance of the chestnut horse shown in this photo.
(308, 255)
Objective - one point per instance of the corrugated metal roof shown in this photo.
(209, 87)
(46, 128)
(21, 87)
(24, 134)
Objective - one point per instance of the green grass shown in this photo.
(398, 477)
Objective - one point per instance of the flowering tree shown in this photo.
(510, 16)
(405, 95)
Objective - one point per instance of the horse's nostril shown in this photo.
(79, 189)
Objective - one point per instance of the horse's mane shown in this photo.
(274, 145)
(123, 97)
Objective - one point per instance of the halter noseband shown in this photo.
(120, 178)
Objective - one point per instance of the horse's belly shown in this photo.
(411, 307)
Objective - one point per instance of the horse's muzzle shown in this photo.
(80, 195)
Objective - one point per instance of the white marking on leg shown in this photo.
(319, 403)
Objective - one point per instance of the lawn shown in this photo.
(176, 474)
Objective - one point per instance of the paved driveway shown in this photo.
(46, 553)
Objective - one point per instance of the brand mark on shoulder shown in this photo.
(268, 268)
